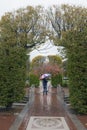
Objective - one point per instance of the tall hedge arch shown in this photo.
(76, 45)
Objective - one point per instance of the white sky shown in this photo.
(11, 5)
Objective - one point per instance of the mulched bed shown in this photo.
(83, 119)
(8, 117)
(6, 120)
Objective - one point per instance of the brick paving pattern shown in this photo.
(47, 105)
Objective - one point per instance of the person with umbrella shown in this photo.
(44, 79)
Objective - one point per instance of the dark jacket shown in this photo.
(44, 82)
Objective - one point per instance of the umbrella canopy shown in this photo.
(45, 75)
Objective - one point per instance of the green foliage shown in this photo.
(37, 60)
(56, 79)
(37, 64)
(65, 83)
(34, 80)
(76, 44)
(54, 59)
(12, 75)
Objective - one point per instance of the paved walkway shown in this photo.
(48, 112)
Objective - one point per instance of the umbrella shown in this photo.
(45, 75)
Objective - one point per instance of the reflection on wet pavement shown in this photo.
(47, 106)
(45, 101)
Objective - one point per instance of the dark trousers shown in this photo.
(45, 89)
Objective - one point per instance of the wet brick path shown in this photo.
(47, 105)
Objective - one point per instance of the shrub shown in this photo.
(56, 79)
(65, 83)
(33, 79)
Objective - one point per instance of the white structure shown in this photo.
(48, 48)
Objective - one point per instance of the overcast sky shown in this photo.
(11, 5)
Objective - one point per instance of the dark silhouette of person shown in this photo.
(44, 81)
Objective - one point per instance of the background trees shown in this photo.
(39, 65)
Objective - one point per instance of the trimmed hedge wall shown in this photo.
(76, 45)
(12, 75)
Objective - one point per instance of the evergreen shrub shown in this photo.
(33, 80)
(56, 79)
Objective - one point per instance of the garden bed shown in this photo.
(8, 117)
